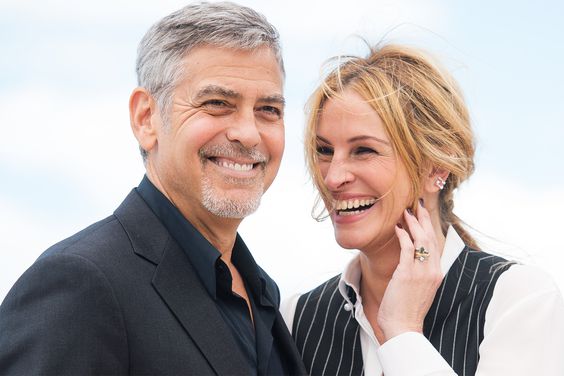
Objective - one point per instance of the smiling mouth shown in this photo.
(353, 207)
(226, 163)
(233, 157)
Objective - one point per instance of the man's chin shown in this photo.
(232, 209)
(231, 201)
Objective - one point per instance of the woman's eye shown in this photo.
(364, 150)
(324, 150)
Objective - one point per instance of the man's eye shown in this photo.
(272, 111)
(324, 150)
(215, 103)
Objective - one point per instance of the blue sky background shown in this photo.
(67, 156)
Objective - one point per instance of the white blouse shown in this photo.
(523, 330)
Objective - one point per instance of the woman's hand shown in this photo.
(413, 285)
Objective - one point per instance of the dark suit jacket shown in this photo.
(121, 297)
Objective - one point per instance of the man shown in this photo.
(165, 285)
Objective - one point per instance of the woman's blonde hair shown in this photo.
(423, 113)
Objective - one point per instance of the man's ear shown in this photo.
(144, 123)
(436, 180)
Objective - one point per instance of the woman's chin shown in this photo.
(363, 242)
(347, 242)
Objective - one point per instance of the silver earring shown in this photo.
(440, 183)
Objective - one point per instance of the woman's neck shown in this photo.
(378, 264)
(377, 267)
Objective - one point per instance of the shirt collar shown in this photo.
(350, 278)
(201, 253)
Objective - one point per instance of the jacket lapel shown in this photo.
(263, 330)
(180, 288)
(178, 285)
(288, 347)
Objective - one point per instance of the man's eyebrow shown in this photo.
(273, 99)
(211, 90)
(356, 139)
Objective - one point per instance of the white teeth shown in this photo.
(236, 166)
(355, 203)
(345, 214)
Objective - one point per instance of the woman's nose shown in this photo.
(338, 175)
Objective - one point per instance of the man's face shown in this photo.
(224, 142)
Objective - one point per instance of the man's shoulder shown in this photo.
(102, 248)
(103, 238)
(97, 255)
(95, 233)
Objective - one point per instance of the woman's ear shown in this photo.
(142, 108)
(436, 180)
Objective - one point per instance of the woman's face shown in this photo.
(369, 186)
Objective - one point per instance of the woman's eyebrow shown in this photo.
(356, 139)
(364, 138)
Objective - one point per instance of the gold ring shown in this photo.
(421, 254)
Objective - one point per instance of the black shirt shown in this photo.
(215, 275)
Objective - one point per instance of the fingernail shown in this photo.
(399, 225)
(422, 202)
(409, 211)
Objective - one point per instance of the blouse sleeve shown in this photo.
(524, 327)
(523, 333)
(412, 354)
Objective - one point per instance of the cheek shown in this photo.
(274, 140)
(396, 202)
(323, 168)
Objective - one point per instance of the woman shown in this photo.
(388, 140)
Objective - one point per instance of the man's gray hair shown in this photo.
(223, 24)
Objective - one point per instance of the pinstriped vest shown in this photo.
(328, 336)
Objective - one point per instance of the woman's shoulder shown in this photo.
(507, 277)
(480, 261)
(523, 281)
(525, 297)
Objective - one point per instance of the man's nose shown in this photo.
(244, 130)
(338, 175)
